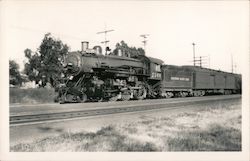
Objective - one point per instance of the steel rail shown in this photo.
(33, 118)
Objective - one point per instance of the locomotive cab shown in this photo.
(155, 68)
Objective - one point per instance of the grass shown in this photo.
(215, 138)
(106, 138)
(32, 96)
(217, 127)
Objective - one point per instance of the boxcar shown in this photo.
(197, 81)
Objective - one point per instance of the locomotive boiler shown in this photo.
(91, 76)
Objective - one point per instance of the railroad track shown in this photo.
(44, 117)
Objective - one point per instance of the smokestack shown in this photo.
(85, 46)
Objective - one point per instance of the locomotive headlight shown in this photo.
(73, 63)
(71, 77)
(73, 60)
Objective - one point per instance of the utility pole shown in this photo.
(105, 42)
(144, 36)
(235, 66)
(209, 60)
(194, 52)
(200, 62)
(232, 64)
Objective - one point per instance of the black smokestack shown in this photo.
(85, 46)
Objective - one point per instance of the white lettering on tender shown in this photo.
(179, 78)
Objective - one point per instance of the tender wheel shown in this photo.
(199, 93)
(167, 95)
(196, 93)
(183, 94)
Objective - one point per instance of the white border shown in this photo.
(113, 156)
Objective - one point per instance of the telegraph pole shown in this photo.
(194, 52)
(200, 62)
(105, 42)
(232, 64)
(235, 66)
(209, 60)
(144, 36)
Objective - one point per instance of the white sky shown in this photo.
(219, 28)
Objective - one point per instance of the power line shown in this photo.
(194, 52)
(235, 67)
(144, 36)
(232, 64)
(201, 60)
(105, 42)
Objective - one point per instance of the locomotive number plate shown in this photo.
(156, 75)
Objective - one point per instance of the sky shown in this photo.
(220, 29)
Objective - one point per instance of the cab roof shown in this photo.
(155, 60)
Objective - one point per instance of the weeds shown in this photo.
(105, 139)
(215, 138)
(32, 96)
(217, 128)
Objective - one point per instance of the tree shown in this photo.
(32, 68)
(15, 76)
(45, 65)
(132, 52)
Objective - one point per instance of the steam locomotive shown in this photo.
(91, 76)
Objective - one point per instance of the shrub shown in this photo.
(31, 96)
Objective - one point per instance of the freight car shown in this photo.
(91, 76)
(196, 81)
